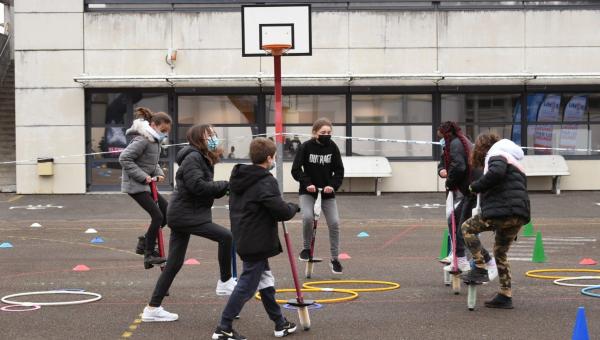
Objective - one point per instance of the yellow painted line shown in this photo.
(126, 335)
(133, 327)
(15, 198)
(137, 321)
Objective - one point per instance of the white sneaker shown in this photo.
(226, 288)
(463, 265)
(447, 259)
(157, 314)
(492, 269)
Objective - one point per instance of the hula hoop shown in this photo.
(532, 273)
(391, 285)
(586, 291)
(351, 294)
(6, 300)
(10, 308)
(560, 282)
(311, 307)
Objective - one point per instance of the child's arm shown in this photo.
(338, 170)
(271, 199)
(193, 180)
(128, 157)
(496, 172)
(297, 172)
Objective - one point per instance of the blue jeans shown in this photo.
(255, 276)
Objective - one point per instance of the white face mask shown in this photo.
(272, 166)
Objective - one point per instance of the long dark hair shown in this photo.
(483, 143)
(196, 137)
(449, 130)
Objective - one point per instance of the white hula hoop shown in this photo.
(18, 308)
(561, 282)
(6, 300)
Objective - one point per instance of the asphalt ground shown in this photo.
(403, 245)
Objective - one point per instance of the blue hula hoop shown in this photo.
(586, 291)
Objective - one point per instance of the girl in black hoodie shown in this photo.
(318, 165)
(189, 213)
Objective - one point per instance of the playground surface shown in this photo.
(405, 232)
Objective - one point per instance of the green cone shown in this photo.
(538, 250)
(528, 230)
(444, 247)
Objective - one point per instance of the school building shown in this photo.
(527, 70)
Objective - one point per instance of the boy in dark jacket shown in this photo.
(255, 207)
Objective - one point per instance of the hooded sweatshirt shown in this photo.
(193, 197)
(140, 158)
(503, 187)
(319, 165)
(255, 207)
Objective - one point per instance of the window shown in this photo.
(234, 119)
(479, 113)
(392, 116)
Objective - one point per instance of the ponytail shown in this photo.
(157, 118)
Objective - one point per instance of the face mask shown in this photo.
(324, 139)
(162, 137)
(272, 166)
(442, 142)
(213, 143)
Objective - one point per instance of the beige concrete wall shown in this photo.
(49, 118)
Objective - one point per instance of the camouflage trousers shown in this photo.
(506, 231)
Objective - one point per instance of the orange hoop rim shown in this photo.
(276, 49)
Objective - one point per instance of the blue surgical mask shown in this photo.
(162, 136)
(213, 143)
(272, 166)
(442, 142)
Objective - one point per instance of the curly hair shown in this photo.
(483, 143)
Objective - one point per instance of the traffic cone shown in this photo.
(580, 331)
(538, 249)
(444, 247)
(81, 268)
(344, 256)
(191, 261)
(528, 230)
(363, 234)
(6, 245)
(589, 262)
(97, 240)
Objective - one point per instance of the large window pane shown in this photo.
(568, 136)
(479, 108)
(305, 109)
(108, 108)
(106, 174)
(376, 109)
(217, 109)
(388, 149)
(109, 139)
(235, 140)
(297, 137)
(156, 102)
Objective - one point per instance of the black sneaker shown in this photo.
(304, 255)
(476, 275)
(221, 334)
(141, 245)
(152, 259)
(336, 267)
(286, 329)
(500, 301)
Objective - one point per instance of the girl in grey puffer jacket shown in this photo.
(140, 166)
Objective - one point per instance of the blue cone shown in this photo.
(97, 239)
(363, 234)
(580, 331)
(6, 245)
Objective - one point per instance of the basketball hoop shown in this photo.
(276, 49)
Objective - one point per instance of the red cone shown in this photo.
(588, 261)
(191, 261)
(81, 268)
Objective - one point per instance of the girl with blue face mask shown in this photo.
(140, 166)
(190, 214)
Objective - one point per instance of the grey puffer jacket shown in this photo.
(140, 159)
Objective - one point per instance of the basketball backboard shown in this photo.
(276, 24)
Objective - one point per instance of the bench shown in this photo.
(367, 167)
(546, 165)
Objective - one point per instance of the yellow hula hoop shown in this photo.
(351, 294)
(390, 285)
(533, 273)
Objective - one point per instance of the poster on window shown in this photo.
(533, 104)
(574, 112)
(549, 112)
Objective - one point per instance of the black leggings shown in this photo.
(178, 244)
(157, 213)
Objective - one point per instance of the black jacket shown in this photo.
(503, 191)
(458, 169)
(319, 165)
(195, 192)
(255, 207)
